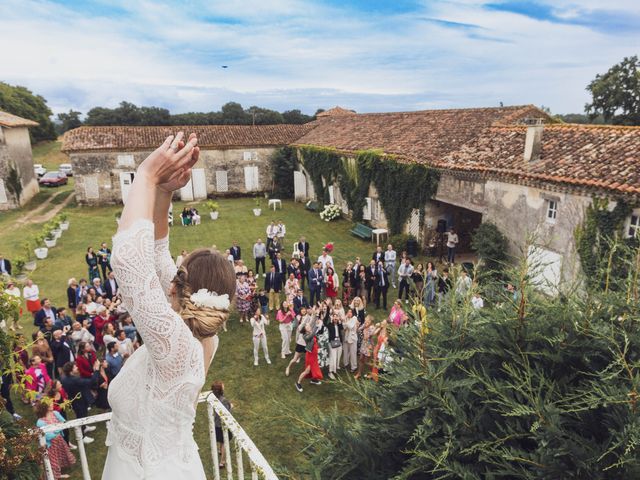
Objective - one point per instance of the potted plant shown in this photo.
(55, 227)
(64, 221)
(213, 209)
(30, 261)
(257, 211)
(49, 237)
(19, 263)
(40, 251)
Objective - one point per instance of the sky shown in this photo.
(366, 55)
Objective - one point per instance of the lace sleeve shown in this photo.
(166, 336)
(164, 264)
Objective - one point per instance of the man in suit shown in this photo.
(273, 285)
(62, 348)
(303, 262)
(299, 302)
(5, 265)
(104, 258)
(316, 281)
(281, 266)
(47, 311)
(382, 285)
(235, 251)
(79, 390)
(378, 254)
(370, 281)
(111, 286)
(303, 246)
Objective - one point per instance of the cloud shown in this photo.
(366, 55)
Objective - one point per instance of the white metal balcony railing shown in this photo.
(260, 468)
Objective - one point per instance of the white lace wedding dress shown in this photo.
(154, 396)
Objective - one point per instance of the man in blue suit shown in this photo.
(316, 282)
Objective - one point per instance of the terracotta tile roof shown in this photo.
(596, 157)
(335, 112)
(489, 141)
(425, 136)
(210, 136)
(10, 120)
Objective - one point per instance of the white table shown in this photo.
(275, 202)
(377, 232)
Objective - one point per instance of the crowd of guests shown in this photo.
(329, 319)
(74, 352)
(327, 313)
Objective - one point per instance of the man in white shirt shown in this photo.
(477, 301)
(404, 273)
(452, 242)
(272, 232)
(390, 262)
(325, 260)
(463, 284)
(282, 231)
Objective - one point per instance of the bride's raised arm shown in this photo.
(133, 258)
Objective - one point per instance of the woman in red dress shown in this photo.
(85, 360)
(311, 366)
(332, 283)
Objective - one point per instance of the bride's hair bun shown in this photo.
(204, 268)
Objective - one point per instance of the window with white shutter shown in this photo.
(251, 181)
(222, 181)
(3, 193)
(91, 190)
(366, 211)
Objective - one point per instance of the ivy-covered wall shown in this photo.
(401, 186)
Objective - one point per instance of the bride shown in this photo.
(177, 313)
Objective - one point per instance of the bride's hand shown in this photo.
(169, 166)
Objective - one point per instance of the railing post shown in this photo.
(227, 449)
(86, 475)
(214, 442)
(48, 471)
(239, 460)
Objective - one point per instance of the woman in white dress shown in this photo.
(154, 396)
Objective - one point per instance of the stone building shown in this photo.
(532, 179)
(234, 159)
(15, 155)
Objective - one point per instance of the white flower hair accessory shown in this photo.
(205, 298)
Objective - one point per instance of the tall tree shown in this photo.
(616, 94)
(295, 116)
(264, 116)
(24, 103)
(234, 114)
(68, 121)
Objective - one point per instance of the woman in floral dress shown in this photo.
(366, 349)
(59, 452)
(243, 298)
(324, 348)
(291, 287)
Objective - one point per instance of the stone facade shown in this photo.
(15, 149)
(99, 175)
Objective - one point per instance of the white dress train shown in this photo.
(154, 396)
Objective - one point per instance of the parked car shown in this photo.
(66, 168)
(39, 169)
(53, 179)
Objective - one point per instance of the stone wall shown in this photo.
(15, 148)
(97, 174)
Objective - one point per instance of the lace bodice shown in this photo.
(154, 396)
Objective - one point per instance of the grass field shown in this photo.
(262, 396)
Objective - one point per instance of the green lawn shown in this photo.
(263, 396)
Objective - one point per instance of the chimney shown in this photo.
(533, 140)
